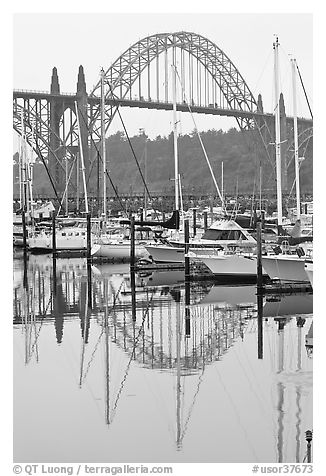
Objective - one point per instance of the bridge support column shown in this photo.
(82, 100)
(56, 171)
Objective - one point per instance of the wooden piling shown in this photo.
(132, 244)
(187, 309)
(211, 209)
(24, 232)
(187, 260)
(133, 294)
(308, 439)
(54, 241)
(260, 305)
(88, 231)
(205, 221)
(259, 262)
(194, 216)
(89, 283)
(262, 219)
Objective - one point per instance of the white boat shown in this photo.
(230, 265)
(67, 239)
(289, 266)
(117, 251)
(308, 266)
(116, 245)
(222, 234)
(285, 267)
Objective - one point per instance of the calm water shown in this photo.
(111, 369)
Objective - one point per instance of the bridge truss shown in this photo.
(208, 82)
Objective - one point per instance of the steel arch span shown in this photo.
(218, 67)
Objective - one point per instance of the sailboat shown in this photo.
(288, 266)
(26, 161)
(221, 234)
(115, 244)
(68, 238)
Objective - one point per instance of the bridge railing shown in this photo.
(48, 93)
(142, 99)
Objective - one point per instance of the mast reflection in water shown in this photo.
(110, 366)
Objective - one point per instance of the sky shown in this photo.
(67, 40)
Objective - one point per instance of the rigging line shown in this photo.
(304, 90)
(39, 329)
(259, 399)
(264, 68)
(132, 149)
(101, 159)
(92, 356)
(200, 379)
(130, 360)
(292, 187)
(83, 337)
(201, 142)
(39, 153)
(66, 188)
(238, 416)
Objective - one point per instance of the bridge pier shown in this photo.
(61, 128)
(82, 104)
(54, 141)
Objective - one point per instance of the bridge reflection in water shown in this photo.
(159, 323)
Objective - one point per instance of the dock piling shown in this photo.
(259, 262)
(187, 260)
(194, 224)
(24, 231)
(205, 221)
(308, 439)
(54, 241)
(132, 243)
(88, 231)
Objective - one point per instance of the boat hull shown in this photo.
(40, 244)
(309, 271)
(286, 268)
(166, 254)
(175, 254)
(118, 251)
(231, 265)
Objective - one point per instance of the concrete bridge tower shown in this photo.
(82, 101)
(54, 141)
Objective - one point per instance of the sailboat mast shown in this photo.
(20, 163)
(222, 180)
(277, 135)
(178, 349)
(30, 180)
(103, 140)
(107, 353)
(295, 132)
(82, 159)
(175, 132)
(145, 176)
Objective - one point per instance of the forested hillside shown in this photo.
(240, 155)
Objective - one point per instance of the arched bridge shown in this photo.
(207, 82)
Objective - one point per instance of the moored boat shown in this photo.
(230, 265)
(285, 267)
(308, 266)
(222, 234)
(67, 239)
